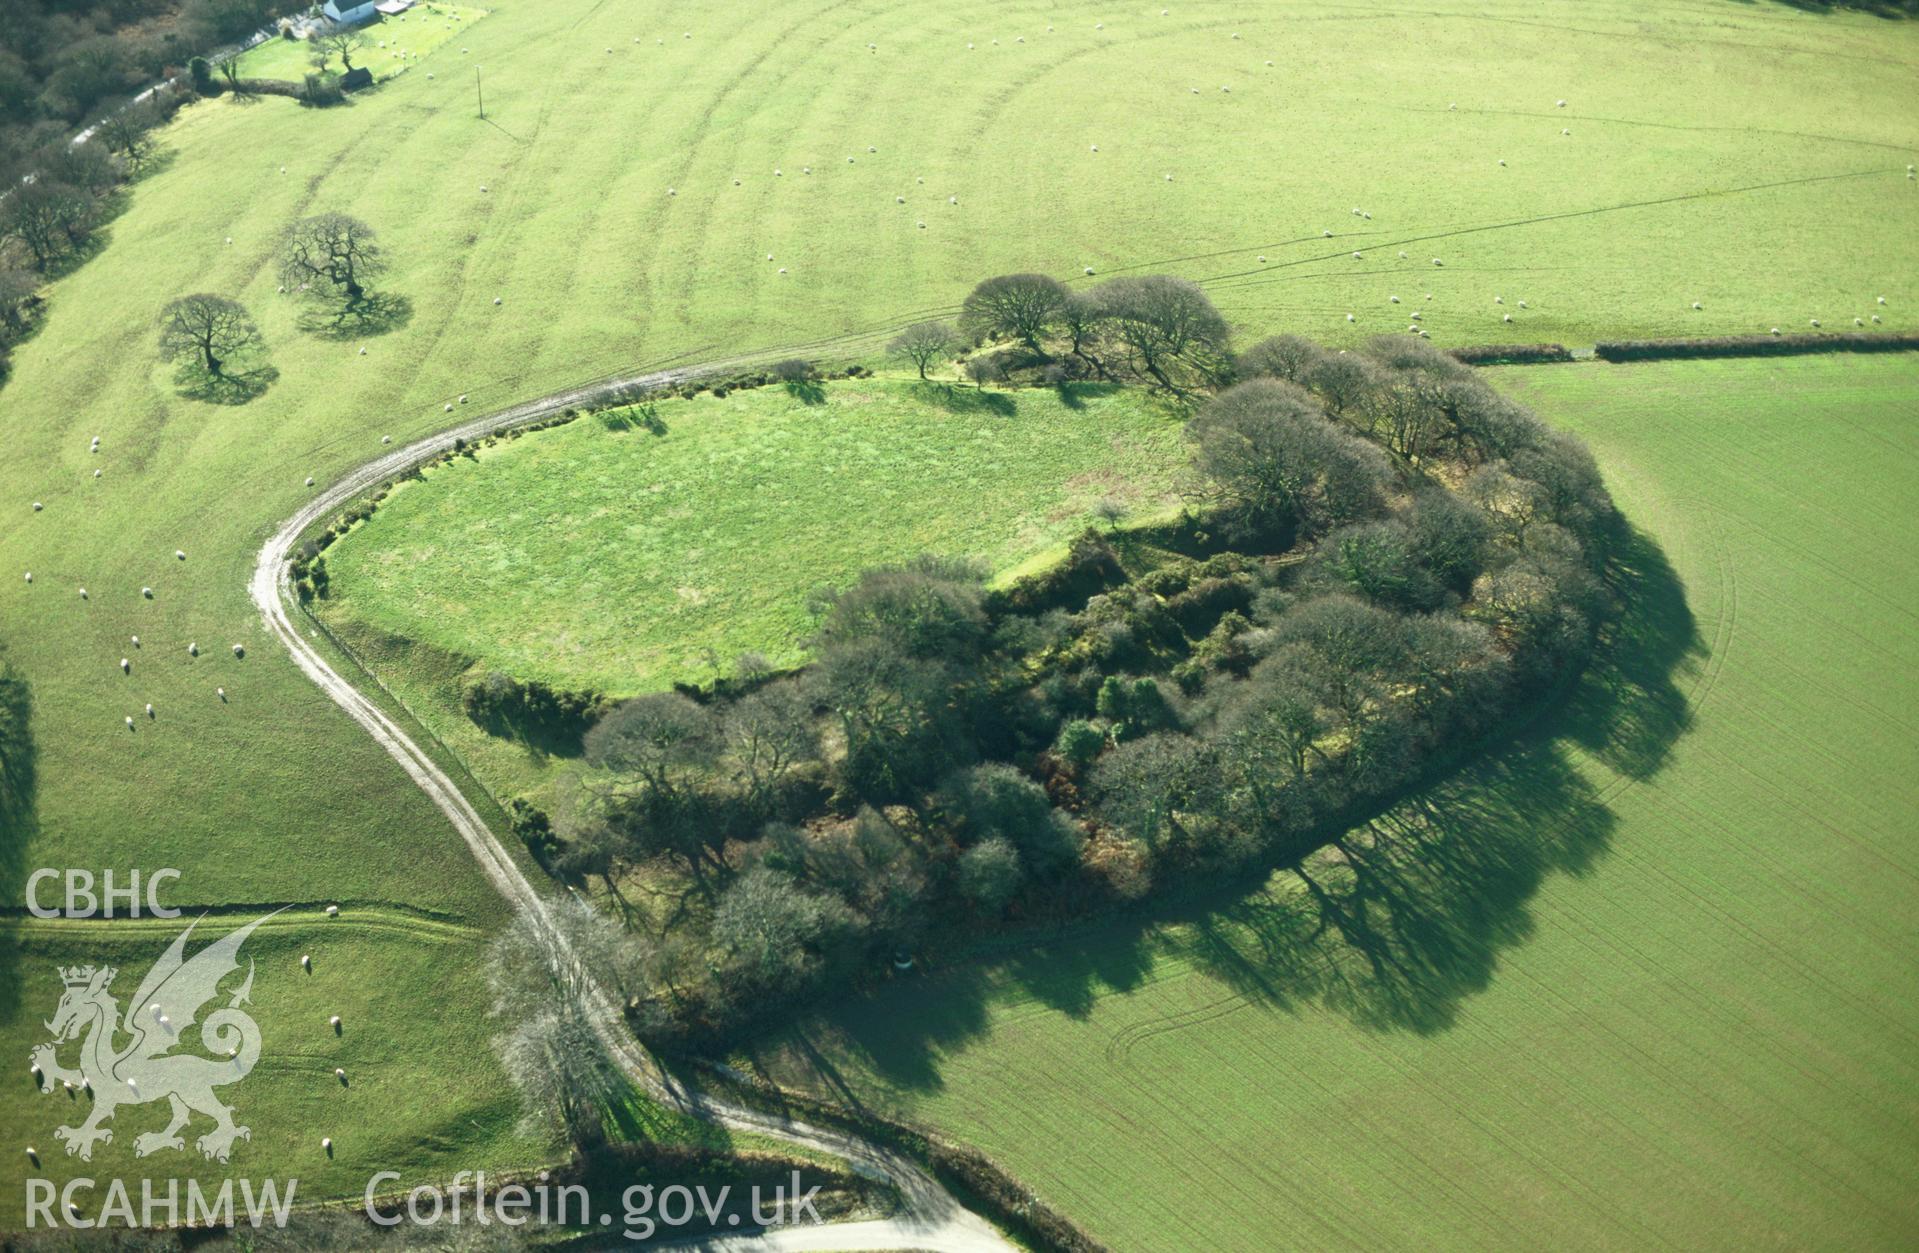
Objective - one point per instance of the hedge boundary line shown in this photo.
(989, 1188)
(1755, 345)
(1510, 354)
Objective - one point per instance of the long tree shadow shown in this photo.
(235, 387)
(1394, 921)
(377, 313)
(19, 819)
(969, 399)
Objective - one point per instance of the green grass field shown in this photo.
(1645, 979)
(620, 561)
(393, 45)
(1750, 157)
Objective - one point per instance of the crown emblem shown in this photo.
(81, 976)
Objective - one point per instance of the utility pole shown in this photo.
(477, 93)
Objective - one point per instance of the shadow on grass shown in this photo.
(971, 400)
(1394, 921)
(236, 387)
(19, 819)
(806, 391)
(376, 314)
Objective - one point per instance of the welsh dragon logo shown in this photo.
(147, 1068)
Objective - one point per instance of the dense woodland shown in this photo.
(1384, 560)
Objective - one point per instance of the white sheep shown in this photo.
(1402, 254)
(239, 650)
(1351, 318)
(37, 506)
(955, 199)
(1327, 234)
(899, 200)
(871, 148)
(1775, 330)
(1394, 299)
(462, 397)
(334, 1022)
(1437, 261)
(1451, 107)
(221, 693)
(309, 480)
(147, 592)
(136, 641)
(306, 963)
(1858, 321)
(1502, 162)
(339, 1073)
(1499, 300)
(921, 225)
(326, 1143)
(363, 352)
(179, 554)
(1095, 147)
(1562, 104)
(496, 300)
(333, 911)
(1875, 317)
(1882, 300)
(1697, 305)
(83, 593)
(1507, 317)
(126, 667)
(672, 191)
(782, 269)
(1522, 304)
(129, 722)
(386, 439)
(1089, 270)
(1564, 131)
(193, 650)
(96, 474)
(149, 709)
(1357, 257)
(1262, 259)
(1815, 321)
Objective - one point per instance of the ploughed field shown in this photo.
(1643, 976)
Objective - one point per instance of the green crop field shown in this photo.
(1645, 979)
(637, 164)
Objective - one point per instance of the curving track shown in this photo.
(929, 1218)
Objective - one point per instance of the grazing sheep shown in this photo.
(1357, 257)
(129, 722)
(126, 667)
(1327, 234)
(1499, 300)
(1089, 270)
(1351, 318)
(136, 641)
(1815, 321)
(1507, 317)
(193, 650)
(1367, 216)
(1095, 147)
(1402, 254)
(149, 709)
(239, 650)
(1262, 259)
(309, 480)
(326, 1143)
(447, 408)
(1562, 104)
(221, 693)
(1522, 304)
(1875, 317)
(496, 300)
(1564, 131)
(462, 397)
(899, 200)
(1502, 162)
(1394, 299)
(1437, 261)
(1429, 295)
(1697, 305)
(334, 1022)
(1195, 91)
(871, 148)
(1451, 107)
(363, 352)
(1882, 300)
(37, 506)
(179, 554)
(922, 225)
(1858, 321)
(672, 191)
(386, 439)
(306, 963)
(96, 474)
(1775, 330)
(333, 911)
(147, 592)
(339, 1073)
(83, 591)
(955, 199)
(782, 269)
(1416, 315)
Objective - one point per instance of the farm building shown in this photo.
(348, 14)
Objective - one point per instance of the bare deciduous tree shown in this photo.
(923, 343)
(207, 330)
(334, 249)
